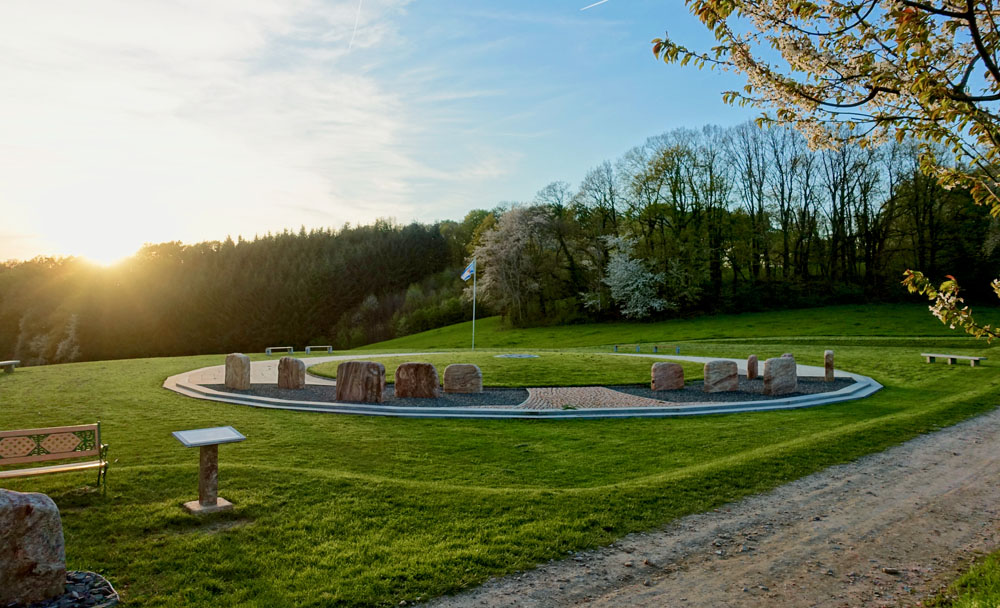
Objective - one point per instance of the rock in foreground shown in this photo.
(32, 554)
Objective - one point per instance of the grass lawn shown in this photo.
(548, 369)
(338, 510)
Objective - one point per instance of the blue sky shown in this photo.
(126, 123)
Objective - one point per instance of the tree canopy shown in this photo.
(866, 71)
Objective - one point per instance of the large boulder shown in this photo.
(721, 376)
(32, 553)
(752, 367)
(291, 373)
(360, 381)
(780, 376)
(238, 372)
(666, 376)
(418, 380)
(828, 365)
(463, 378)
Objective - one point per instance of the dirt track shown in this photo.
(885, 530)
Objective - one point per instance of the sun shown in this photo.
(104, 253)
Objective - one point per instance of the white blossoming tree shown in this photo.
(865, 71)
(633, 286)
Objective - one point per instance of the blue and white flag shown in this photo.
(469, 270)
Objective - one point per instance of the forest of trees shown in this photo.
(689, 222)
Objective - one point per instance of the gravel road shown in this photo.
(886, 530)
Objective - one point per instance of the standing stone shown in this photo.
(667, 376)
(32, 553)
(463, 378)
(828, 364)
(780, 377)
(419, 380)
(360, 381)
(291, 373)
(721, 376)
(751, 367)
(238, 372)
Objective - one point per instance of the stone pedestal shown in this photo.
(463, 378)
(32, 553)
(419, 380)
(751, 367)
(721, 376)
(780, 376)
(208, 484)
(360, 381)
(828, 365)
(666, 376)
(291, 373)
(238, 372)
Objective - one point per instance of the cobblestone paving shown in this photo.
(554, 398)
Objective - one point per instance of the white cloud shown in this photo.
(129, 122)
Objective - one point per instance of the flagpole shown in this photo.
(475, 271)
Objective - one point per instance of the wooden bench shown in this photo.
(8, 366)
(54, 443)
(328, 349)
(270, 349)
(973, 361)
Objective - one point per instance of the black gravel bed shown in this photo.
(327, 394)
(750, 390)
(83, 590)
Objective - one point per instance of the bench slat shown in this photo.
(57, 468)
(951, 356)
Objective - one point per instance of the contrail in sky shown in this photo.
(357, 16)
(593, 5)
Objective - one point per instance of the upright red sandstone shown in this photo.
(360, 381)
(666, 376)
(291, 373)
(418, 380)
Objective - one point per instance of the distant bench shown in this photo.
(973, 361)
(8, 366)
(54, 443)
(309, 349)
(270, 349)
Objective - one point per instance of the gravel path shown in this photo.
(885, 530)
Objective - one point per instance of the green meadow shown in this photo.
(335, 510)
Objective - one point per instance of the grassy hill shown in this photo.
(853, 321)
(338, 510)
